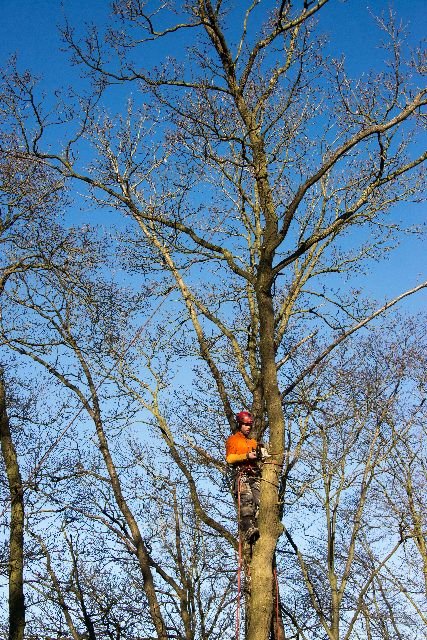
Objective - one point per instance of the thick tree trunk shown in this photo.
(16, 538)
(260, 605)
(261, 599)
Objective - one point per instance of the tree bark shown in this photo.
(261, 599)
(16, 537)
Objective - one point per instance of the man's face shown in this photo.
(245, 427)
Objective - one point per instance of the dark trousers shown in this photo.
(247, 491)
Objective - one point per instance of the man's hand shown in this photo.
(252, 455)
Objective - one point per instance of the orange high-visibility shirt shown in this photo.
(237, 447)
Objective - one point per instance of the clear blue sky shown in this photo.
(29, 29)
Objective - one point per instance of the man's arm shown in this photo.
(234, 458)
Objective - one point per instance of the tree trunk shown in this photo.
(16, 538)
(277, 628)
(141, 550)
(261, 599)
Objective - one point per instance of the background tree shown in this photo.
(16, 539)
(351, 543)
(28, 195)
(62, 326)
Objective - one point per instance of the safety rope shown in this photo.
(277, 601)
(239, 564)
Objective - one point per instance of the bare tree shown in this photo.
(63, 310)
(344, 543)
(16, 539)
(28, 196)
(242, 209)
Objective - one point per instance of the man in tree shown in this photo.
(241, 454)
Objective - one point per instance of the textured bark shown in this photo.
(260, 605)
(419, 534)
(261, 600)
(16, 537)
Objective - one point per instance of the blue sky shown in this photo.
(29, 28)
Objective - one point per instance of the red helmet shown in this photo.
(244, 417)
